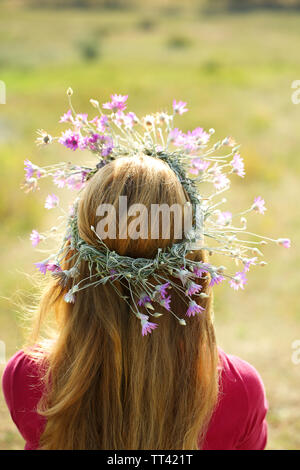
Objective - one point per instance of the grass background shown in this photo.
(235, 70)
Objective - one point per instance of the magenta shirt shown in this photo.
(238, 422)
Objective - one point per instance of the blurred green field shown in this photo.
(235, 71)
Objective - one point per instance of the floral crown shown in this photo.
(196, 162)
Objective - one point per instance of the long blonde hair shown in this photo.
(106, 386)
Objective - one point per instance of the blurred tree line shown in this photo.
(230, 5)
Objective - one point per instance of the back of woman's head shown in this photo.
(109, 387)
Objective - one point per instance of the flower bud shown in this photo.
(94, 103)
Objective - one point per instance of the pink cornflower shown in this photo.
(130, 119)
(194, 308)
(100, 123)
(51, 201)
(117, 103)
(200, 136)
(35, 237)
(80, 120)
(286, 242)
(259, 205)
(221, 181)
(175, 136)
(53, 267)
(67, 117)
(75, 182)
(180, 107)
(238, 165)
(224, 218)
(198, 165)
(248, 262)
(238, 281)
(192, 140)
(147, 326)
(59, 179)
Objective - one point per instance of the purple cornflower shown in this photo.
(117, 103)
(42, 266)
(147, 326)
(35, 237)
(180, 107)
(286, 242)
(259, 205)
(193, 309)
(165, 302)
(224, 218)
(238, 281)
(107, 145)
(113, 274)
(193, 288)
(106, 150)
(70, 139)
(199, 270)
(162, 289)
(51, 201)
(67, 117)
(89, 142)
(238, 165)
(144, 300)
(248, 262)
(30, 170)
(216, 279)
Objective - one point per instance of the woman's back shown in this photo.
(237, 423)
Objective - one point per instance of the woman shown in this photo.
(100, 384)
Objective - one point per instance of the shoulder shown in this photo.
(22, 388)
(21, 370)
(239, 419)
(239, 374)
